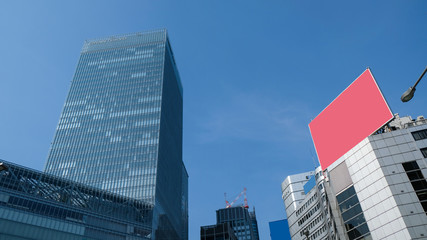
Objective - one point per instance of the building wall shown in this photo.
(220, 231)
(311, 215)
(240, 220)
(390, 205)
(293, 191)
(35, 205)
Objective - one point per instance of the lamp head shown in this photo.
(408, 95)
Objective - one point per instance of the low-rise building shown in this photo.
(37, 205)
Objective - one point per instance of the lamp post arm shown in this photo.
(422, 75)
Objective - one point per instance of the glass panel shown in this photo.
(408, 166)
(424, 204)
(418, 135)
(422, 195)
(351, 212)
(359, 231)
(354, 222)
(419, 185)
(415, 175)
(349, 203)
(346, 194)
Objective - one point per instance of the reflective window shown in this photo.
(352, 214)
(418, 181)
(424, 152)
(418, 135)
(121, 125)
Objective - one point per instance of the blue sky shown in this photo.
(254, 74)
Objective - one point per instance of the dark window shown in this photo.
(359, 231)
(408, 166)
(424, 152)
(424, 204)
(418, 135)
(415, 175)
(419, 185)
(422, 195)
(349, 203)
(418, 181)
(346, 194)
(351, 212)
(354, 222)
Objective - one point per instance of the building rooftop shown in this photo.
(19, 180)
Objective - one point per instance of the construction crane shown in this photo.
(228, 205)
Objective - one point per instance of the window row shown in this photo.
(309, 214)
(303, 207)
(311, 225)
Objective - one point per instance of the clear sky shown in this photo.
(254, 74)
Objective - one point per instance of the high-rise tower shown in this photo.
(121, 127)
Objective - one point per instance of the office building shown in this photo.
(242, 221)
(37, 205)
(221, 231)
(293, 191)
(238, 219)
(378, 189)
(120, 129)
(307, 209)
(380, 184)
(279, 230)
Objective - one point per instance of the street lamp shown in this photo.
(406, 96)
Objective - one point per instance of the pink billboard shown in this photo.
(356, 113)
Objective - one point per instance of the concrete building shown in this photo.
(306, 206)
(380, 184)
(377, 190)
(293, 191)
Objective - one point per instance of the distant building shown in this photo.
(254, 224)
(121, 127)
(36, 205)
(293, 191)
(307, 210)
(221, 231)
(241, 220)
(279, 230)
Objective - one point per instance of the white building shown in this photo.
(383, 180)
(377, 190)
(306, 206)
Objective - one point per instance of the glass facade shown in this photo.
(243, 223)
(36, 205)
(352, 215)
(418, 181)
(221, 231)
(121, 127)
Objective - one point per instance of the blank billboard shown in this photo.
(356, 113)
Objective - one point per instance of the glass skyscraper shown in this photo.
(121, 127)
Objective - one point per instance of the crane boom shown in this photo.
(228, 205)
